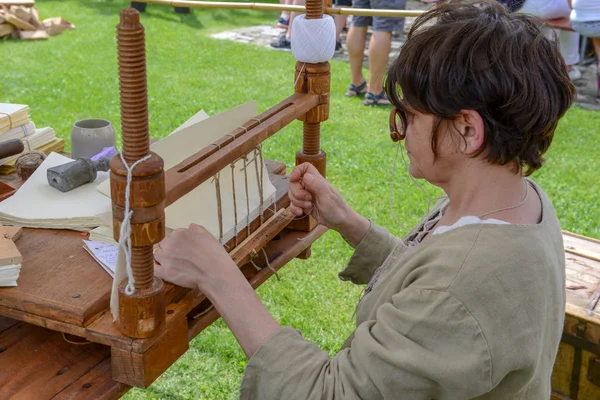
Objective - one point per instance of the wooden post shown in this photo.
(142, 314)
(315, 79)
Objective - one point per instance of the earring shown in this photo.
(396, 136)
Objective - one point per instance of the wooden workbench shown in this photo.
(62, 290)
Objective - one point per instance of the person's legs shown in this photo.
(284, 19)
(569, 48)
(379, 49)
(284, 41)
(340, 21)
(355, 41)
(379, 52)
(596, 43)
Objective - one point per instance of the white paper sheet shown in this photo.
(104, 254)
(38, 205)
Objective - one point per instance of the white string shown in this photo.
(299, 74)
(125, 234)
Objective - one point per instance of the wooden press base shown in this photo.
(63, 290)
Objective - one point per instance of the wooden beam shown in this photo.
(283, 7)
(191, 172)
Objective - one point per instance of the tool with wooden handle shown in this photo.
(10, 148)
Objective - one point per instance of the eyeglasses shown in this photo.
(397, 118)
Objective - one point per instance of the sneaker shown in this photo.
(282, 23)
(338, 46)
(282, 44)
(574, 74)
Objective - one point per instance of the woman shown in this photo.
(470, 304)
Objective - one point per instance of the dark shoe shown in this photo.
(359, 90)
(282, 44)
(182, 10)
(376, 100)
(338, 46)
(282, 23)
(141, 7)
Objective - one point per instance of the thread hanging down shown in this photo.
(125, 232)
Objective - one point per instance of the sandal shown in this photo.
(377, 100)
(359, 90)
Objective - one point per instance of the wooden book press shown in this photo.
(63, 296)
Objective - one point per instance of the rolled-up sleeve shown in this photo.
(370, 253)
(423, 345)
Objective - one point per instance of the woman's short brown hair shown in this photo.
(478, 56)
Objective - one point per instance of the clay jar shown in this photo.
(90, 136)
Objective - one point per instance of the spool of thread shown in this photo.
(28, 162)
(313, 40)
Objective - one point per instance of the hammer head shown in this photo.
(71, 175)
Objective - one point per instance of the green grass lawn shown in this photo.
(74, 76)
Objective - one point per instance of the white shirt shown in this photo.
(585, 10)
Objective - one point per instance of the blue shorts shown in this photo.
(589, 29)
(342, 3)
(380, 24)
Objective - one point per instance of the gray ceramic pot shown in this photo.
(90, 136)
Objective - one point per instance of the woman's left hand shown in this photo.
(193, 258)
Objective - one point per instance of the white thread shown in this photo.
(125, 234)
(313, 40)
(299, 74)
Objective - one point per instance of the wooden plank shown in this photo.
(38, 363)
(41, 321)
(6, 323)
(582, 246)
(28, 3)
(96, 384)
(243, 253)
(84, 285)
(185, 176)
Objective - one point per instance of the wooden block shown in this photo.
(5, 29)
(18, 22)
(10, 232)
(9, 254)
(21, 12)
(32, 35)
(304, 224)
(141, 369)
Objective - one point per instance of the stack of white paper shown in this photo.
(9, 274)
(13, 116)
(38, 205)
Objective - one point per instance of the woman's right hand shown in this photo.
(310, 193)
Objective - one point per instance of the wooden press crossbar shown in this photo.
(196, 169)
